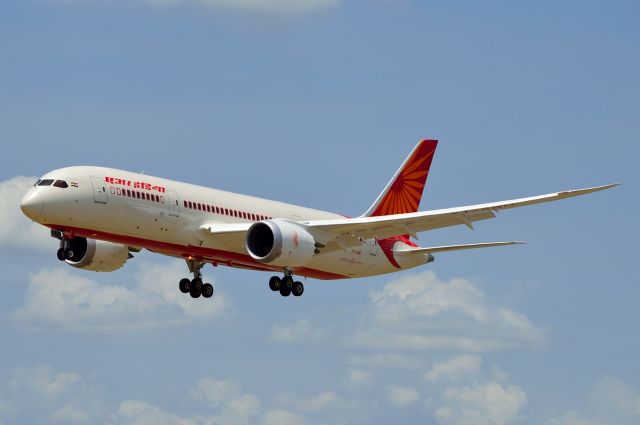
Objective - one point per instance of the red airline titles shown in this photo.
(136, 185)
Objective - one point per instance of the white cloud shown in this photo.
(282, 417)
(402, 396)
(469, 394)
(457, 368)
(300, 331)
(43, 381)
(226, 396)
(39, 394)
(135, 412)
(17, 231)
(487, 404)
(421, 312)
(69, 414)
(68, 299)
(611, 401)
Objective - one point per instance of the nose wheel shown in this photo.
(195, 287)
(286, 286)
(65, 251)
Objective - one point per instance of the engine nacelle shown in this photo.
(99, 256)
(280, 243)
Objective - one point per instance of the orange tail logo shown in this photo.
(406, 191)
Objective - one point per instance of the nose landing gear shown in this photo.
(286, 286)
(195, 287)
(66, 250)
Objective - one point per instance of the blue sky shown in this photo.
(317, 102)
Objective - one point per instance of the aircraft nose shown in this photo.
(32, 204)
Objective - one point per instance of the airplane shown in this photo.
(103, 215)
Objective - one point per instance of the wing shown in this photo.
(348, 232)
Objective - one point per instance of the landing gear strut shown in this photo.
(195, 287)
(66, 250)
(286, 286)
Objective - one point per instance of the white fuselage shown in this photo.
(166, 216)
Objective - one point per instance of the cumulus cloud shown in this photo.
(401, 396)
(492, 403)
(611, 401)
(17, 231)
(39, 394)
(421, 312)
(136, 412)
(470, 394)
(282, 417)
(68, 299)
(226, 395)
(456, 368)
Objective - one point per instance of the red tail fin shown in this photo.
(404, 191)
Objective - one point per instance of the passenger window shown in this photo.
(61, 184)
(46, 182)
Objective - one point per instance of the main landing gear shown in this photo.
(286, 286)
(195, 287)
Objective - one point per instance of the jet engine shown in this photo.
(280, 243)
(94, 255)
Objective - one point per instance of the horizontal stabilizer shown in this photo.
(446, 248)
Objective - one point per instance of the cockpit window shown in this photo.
(61, 183)
(37, 183)
(46, 182)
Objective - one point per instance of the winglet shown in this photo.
(403, 193)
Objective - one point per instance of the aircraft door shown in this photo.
(99, 189)
(174, 205)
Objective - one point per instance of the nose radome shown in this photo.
(32, 205)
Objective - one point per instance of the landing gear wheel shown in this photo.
(298, 289)
(196, 284)
(70, 255)
(207, 290)
(185, 285)
(60, 254)
(275, 283)
(287, 282)
(195, 293)
(285, 292)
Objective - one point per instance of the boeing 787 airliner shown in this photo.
(102, 215)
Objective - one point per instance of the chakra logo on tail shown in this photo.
(403, 194)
